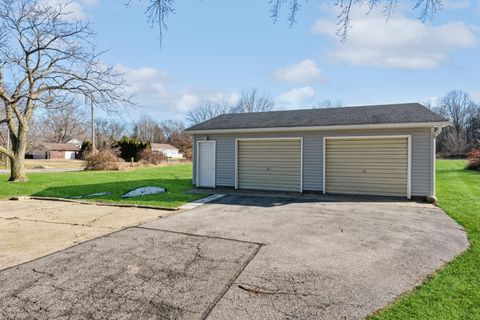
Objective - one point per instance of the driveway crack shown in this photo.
(230, 283)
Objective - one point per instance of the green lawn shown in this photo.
(454, 292)
(176, 179)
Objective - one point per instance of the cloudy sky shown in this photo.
(214, 48)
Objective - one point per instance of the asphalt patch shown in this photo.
(135, 273)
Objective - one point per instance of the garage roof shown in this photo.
(60, 147)
(414, 113)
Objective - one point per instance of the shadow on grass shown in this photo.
(173, 197)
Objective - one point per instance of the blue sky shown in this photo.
(215, 48)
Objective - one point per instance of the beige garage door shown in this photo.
(367, 166)
(269, 164)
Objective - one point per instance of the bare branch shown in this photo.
(50, 59)
(427, 9)
(158, 11)
(6, 152)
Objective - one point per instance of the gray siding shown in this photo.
(422, 149)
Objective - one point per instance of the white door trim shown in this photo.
(409, 154)
(269, 139)
(197, 167)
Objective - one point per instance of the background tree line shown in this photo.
(463, 135)
(63, 124)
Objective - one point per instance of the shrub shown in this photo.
(474, 160)
(85, 149)
(147, 156)
(103, 160)
(130, 148)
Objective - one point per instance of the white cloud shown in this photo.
(73, 9)
(296, 97)
(90, 2)
(306, 71)
(456, 4)
(476, 96)
(155, 93)
(400, 42)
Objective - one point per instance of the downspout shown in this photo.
(435, 131)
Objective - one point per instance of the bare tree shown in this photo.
(454, 143)
(327, 103)
(170, 128)
(208, 109)
(145, 129)
(47, 57)
(458, 107)
(159, 10)
(63, 124)
(108, 132)
(173, 132)
(252, 100)
(464, 132)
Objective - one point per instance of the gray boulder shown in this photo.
(144, 192)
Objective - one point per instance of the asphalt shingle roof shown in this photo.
(60, 147)
(375, 114)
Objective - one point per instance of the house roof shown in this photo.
(60, 147)
(345, 116)
(162, 146)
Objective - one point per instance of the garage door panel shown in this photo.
(362, 151)
(272, 177)
(373, 170)
(374, 175)
(391, 188)
(272, 172)
(370, 184)
(370, 192)
(391, 142)
(367, 158)
(367, 166)
(269, 164)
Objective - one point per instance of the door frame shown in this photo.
(197, 167)
(270, 139)
(409, 154)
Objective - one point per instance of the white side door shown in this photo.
(206, 164)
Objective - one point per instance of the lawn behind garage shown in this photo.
(176, 179)
(454, 292)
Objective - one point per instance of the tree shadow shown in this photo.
(174, 196)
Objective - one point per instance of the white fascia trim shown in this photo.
(269, 139)
(317, 128)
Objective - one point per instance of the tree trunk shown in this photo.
(17, 168)
(17, 162)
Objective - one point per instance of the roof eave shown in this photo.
(325, 128)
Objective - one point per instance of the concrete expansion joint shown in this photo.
(260, 244)
(52, 222)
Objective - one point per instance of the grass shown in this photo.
(176, 179)
(454, 292)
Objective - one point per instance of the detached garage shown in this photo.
(386, 150)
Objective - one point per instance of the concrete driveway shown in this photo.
(31, 228)
(242, 258)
